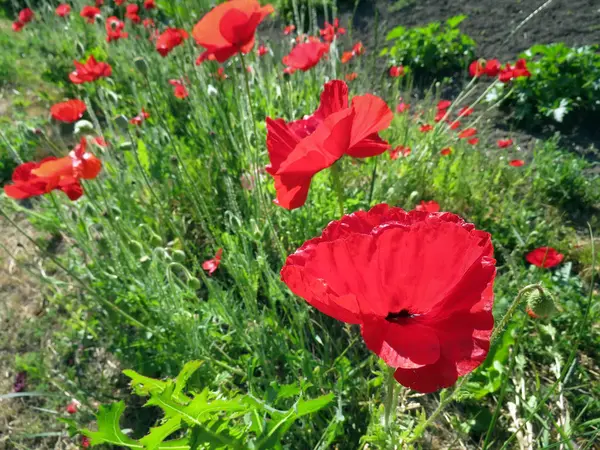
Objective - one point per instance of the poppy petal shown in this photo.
(372, 115)
(428, 378)
(334, 98)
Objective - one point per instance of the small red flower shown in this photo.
(351, 76)
(289, 29)
(229, 28)
(180, 91)
(68, 111)
(90, 13)
(420, 285)
(467, 133)
(443, 105)
(120, 2)
(63, 10)
(516, 163)
(17, 26)
(213, 264)
(454, 125)
(476, 69)
(426, 128)
(99, 3)
(431, 206)
(300, 149)
(446, 151)
(396, 71)
(140, 118)
(492, 67)
(331, 31)
(114, 29)
(169, 39)
(544, 257)
(26, 15)
(72, 407)
(465, 111)
(402, 107)
(346, 57)
(305, 56)
(85, 442)
(89, 71)
(440, 115)
(220, 74)
(149, 4)
(473, 141)
(358, 49)
(132, 13)
(509, 72)
(262, 50)
(400, 150)
(505, 143)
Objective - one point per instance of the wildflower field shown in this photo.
(299, 224)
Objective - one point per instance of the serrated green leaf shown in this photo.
(109, 430)
(144, 385)
(185, 374)
(154, 439)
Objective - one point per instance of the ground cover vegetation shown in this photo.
(254, 231)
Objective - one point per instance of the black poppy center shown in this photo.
(399, 316)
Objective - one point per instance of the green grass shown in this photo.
(129, 275)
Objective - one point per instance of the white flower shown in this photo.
(82, 126)
(560, 112)
(212, 90)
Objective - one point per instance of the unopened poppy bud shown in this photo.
(178, 256)
(540, 304)
(141, 65)
(155, 240)
(122, 122)
(194, 283)
(136, 248)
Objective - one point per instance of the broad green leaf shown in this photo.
(395, 33)
(304, 407)
(109, 430)
(455, 21)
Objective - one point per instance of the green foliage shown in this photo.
(434, 51)
(563, 90)
(203, 419)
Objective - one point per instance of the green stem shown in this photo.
(389, 404)
(373, 178)
(337, 185)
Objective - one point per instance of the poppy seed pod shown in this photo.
(540, 304)
(141, 65)
(136, 248)
(122, 122)
(194, 283)
(178, 255)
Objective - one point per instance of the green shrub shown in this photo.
(434, 51)
(564, 88)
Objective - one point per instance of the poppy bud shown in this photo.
(141, 65)
(83, 126)
(194, 283)
(540, 304)
(155, 240)
(136, 248)
(178, 256)
(122, 122)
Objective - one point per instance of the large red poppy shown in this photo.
(305, 56)
(545, 257)
(419, 285)
(229, 28)
(169, 39)
(89, 13)
(32, 179)
(68, 111)
(300, 149)
(89, 71)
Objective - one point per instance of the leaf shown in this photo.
(395, 33)
(142, 153)
(144, 385)
(158, 434)
(185, 374)
(455, 21)
(109, 430)
(304, 407)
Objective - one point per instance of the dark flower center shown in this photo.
(399, 317)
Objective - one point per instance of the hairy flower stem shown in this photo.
(337, 185)
(445, 400)
(391, 399)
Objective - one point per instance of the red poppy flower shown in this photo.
(68, 111)
(440, 115)
(330, 32)
(505, 143)
(180, 90)
(516, 163)
(443, 105)
(402, 107)
(467, 133)
(346, 57)
(426, 128)
(419, 284)
(149, 4)
(396, 71)
(99, 3)
(120, 2)
(431, 206)
(473, 141)
(509, 72)
(492, 67)
(25, 15)
(289, 29)
(89, 71)
(446, 151)
(400, 150)
(465, 111)
(63, 10)
(169, 39)
(33, 179)
(229, 28)
(351, 76)
(213, 264)
(71, 408)
(358, 49)
(114, 29)
(300, 149)
(17, 26)
(544, 257)
(220, 74)
(132, 13)
(262, 50)
(85, 442)
(305, 56)
(89, 13)
(140, 118)
(476, 69)
(454, 125)
(148, 22)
